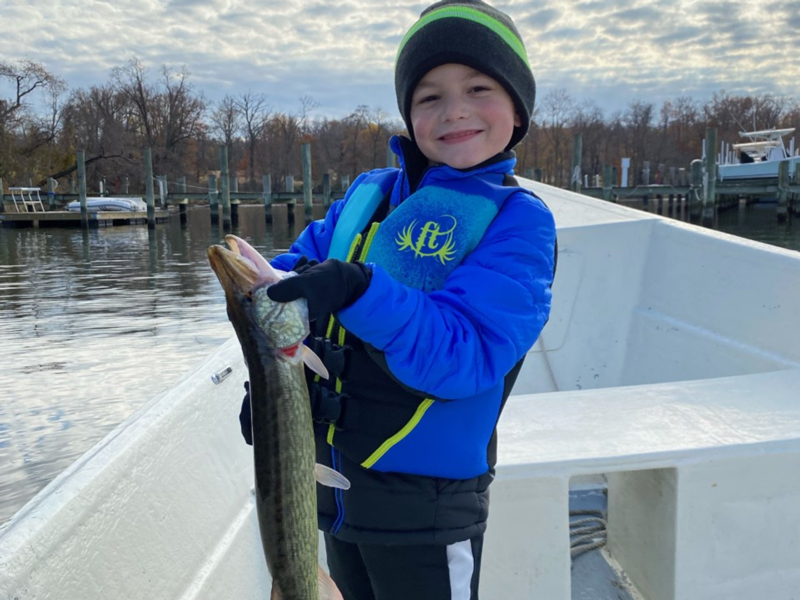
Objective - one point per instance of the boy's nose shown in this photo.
(455, 109)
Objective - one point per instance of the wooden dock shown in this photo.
(66, 218)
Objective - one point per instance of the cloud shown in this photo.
(342, 53)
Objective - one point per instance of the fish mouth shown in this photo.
(239, 267)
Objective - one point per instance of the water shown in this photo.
(758, 222)
(93, 325)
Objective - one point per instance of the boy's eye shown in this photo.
(428, 98)
(480, 88)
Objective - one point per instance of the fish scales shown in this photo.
(286, 492)
(283, 451)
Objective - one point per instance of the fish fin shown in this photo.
(327, 587)
(330, 478)
(313, 362)
(276, 594)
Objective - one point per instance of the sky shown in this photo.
(341, 53)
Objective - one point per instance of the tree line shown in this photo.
(43, 124)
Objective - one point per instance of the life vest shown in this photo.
(367, 413)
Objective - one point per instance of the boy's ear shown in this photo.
(517, 120)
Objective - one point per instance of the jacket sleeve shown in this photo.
(463, 339)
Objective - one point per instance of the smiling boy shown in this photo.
(433, 283)
(461, 117)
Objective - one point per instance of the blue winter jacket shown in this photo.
(452, 346)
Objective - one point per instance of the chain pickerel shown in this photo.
(271, 335)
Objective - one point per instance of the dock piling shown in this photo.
(213, 198)
(577, 153)
(608, 182)
(783, 191)
(266, 182)
(794, 201)
(224, 187)
(307, 185)
(291, 203)
(326, 190)
(710, 178)
(695, 201)
(148, 187)
(183, 202)
(162, 190)
(81, 158)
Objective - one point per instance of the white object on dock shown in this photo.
(28, 198)
(110, 205)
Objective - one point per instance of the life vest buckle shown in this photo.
(326, 405)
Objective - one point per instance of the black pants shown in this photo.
(399, 572)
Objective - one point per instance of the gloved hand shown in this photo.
(245, 418)
(328, 287)
(303, 264)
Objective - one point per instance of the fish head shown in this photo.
(245, 276)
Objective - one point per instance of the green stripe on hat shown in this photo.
(470, 14)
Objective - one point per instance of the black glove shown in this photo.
(328, 287)
(245, 418)
(303, 264)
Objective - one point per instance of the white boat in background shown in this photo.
(667, 382)
(758, 158)
(110, 205)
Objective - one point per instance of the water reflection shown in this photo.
(95, 323)
(759, 222)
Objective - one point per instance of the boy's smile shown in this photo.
(461, 117)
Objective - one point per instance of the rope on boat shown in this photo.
(588, 533)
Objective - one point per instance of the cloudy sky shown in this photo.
(341, 52)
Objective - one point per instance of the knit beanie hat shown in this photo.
(471, 33)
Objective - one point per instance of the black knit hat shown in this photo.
(472, 33)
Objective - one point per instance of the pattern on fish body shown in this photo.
(271, 334)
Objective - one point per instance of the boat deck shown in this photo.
(669, 373)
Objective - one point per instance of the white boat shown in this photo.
(759, 157)
(110, 205)
(668, 378)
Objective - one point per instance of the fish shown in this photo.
(271, 335)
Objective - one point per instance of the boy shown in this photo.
(438, 278)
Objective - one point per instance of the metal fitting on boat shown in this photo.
(218, 377)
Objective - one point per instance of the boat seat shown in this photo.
(703, 487)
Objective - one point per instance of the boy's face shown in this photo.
(460, 116)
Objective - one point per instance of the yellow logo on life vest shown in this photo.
(432, 240)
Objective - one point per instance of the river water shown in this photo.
(94, 324)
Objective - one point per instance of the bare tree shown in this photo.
(131, 82)
(181, 114)
(307, 106)
(255, 113)
(26, 76)
(226, 120)
(557, 107)
(587, 120)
